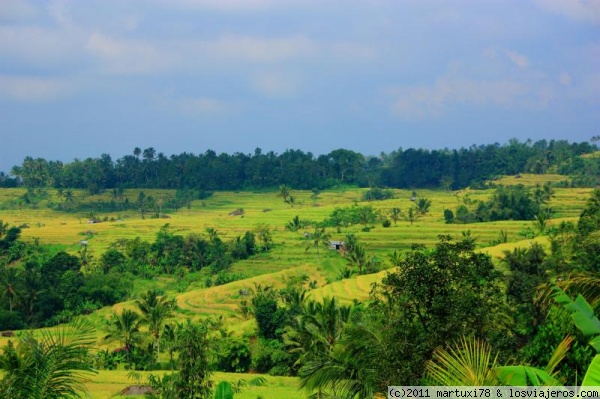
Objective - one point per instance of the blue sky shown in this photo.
(81, 78)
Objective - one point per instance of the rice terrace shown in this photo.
(298, 276)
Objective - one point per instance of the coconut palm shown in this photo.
(316, 336)
(125, 327)
(155, 312)
(56, 365)
(317, 239)
(423, 205)
(395, 214)
(348, 369)
(357, 257)
(10, 281)
(284, 192)
(69, 197)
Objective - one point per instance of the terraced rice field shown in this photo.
(288, 258)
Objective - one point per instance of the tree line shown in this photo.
(410, 168)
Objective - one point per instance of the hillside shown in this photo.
(288, 259)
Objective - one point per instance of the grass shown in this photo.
(287, 260)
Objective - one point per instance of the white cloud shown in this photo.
(518, 59)
(422, 101)
(126, 57)
(579, 10)
(33, 89)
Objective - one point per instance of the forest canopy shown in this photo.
(410, 168)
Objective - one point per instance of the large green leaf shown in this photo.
(525, 376)
(592, 376)
(582, 314)
(224, 391)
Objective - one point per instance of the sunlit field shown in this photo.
(291, 257)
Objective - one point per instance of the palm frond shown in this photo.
(469, 362)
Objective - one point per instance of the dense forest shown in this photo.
(410, 168)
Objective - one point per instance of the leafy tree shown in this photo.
(528, 271)
(269, 316)
(193, 377)
(436, 296)
(56, 365)
(263, 232)
(112, 259)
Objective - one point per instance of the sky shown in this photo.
(82, 78)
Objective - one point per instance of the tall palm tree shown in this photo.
(31, 289)
(318, 238)
(60, 193)
(395, 214)
(315, 336)
(10, 280)
(56, 365)
(124, 327)
(155, 312)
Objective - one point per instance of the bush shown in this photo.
(378, 194)
(448, 216)
(11, 321)
(386, 223)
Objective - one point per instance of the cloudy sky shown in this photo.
(81, 78)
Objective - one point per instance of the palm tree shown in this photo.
(316, 335)
(169, 338)
(284, 192)
(60, 193)
(124, 327)
(412, 215)
(10, 280)
(395, 214)
(32, 288)
(155, 311)
(54, 366)
(357, 257)
(317, 238)
(423, 205)
(69, 197)
(348, 370)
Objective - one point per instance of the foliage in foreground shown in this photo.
(56, 365)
